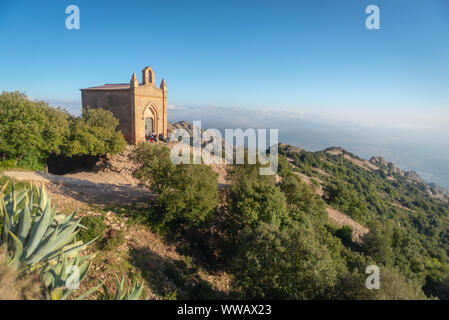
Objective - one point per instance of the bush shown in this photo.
(95, 226)
(94, 133)
(155, 170)
(301, 197)
(345, 234)
(378, 243)
(31, 131)
(113, 240)
(393, 286)
(288, 264)
(188, 194)
(191, 199)
(251, 202)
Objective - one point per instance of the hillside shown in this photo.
(224, 231)
(378, 191)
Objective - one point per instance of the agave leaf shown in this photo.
(66, 294)
(70, 250)
(24, 224)
(17, 252)
(14, 203)
(69, 218)
(31, 203)
(53, 253)
(80, 246)
(38, 231)
(6, 225)
(14, 200)
(89, 292)
(83, 269)
(44, 248)
(52, 227)
(106, 292)
(43, 199)
(136, 292)
(69, 266)
(64, 237)
(57, 268)
(4, 188)
(56, 255)
(49, 278)
(118, 290)
(56, 294)
(63, 271)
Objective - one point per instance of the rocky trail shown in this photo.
(82, 190)
(109, 184)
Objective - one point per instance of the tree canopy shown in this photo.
(31, 131)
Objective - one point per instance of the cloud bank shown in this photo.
(413, 141)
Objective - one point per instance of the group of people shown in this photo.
(152, 137)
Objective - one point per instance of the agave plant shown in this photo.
(34, 232)
(63, 277)
(121, 293)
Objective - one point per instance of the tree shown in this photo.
(378, 243)
(251, 203)
(30, 130)
(187, 194)
(155, 168)
(283, 264)
(393, 286)
(191, 198)
(301, 197)
(94, 133)
(345, 234)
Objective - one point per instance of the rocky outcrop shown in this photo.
(413, 176)
(379, 161)
(206, 139)
(390, 168)
(289, 148)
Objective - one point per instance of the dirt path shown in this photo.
(85, 188)
(339, 218)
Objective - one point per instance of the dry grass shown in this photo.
(14, 286)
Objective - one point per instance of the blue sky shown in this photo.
(307, 67)
(295, 55)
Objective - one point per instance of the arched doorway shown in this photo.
(150, 120)
(149, 126)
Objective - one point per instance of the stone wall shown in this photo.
(149, 102)
(116, 101)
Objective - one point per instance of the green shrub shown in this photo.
(250, 203)
(378, 243)
(8, 164)
(113, 240)
(94, 133)
(345, 234)
(283, 264)
(31, 131)
(301, 197)
(95, 226)
(188, 194)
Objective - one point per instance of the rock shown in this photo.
(379, 161)
(413, 176)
